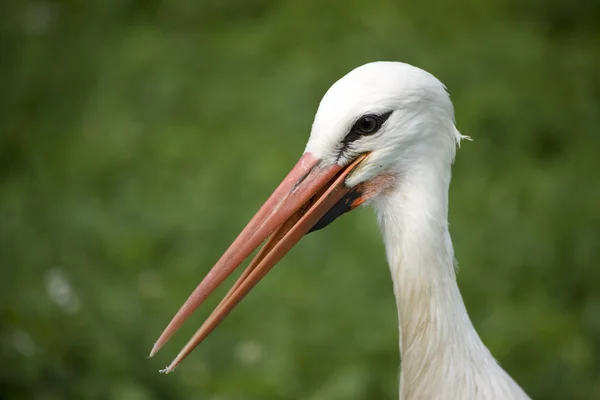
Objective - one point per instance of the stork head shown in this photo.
(373, 126)
(399, 116)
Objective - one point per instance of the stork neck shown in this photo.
(440, 350)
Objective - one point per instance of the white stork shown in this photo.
(385, 135)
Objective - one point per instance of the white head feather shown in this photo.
(421, 125)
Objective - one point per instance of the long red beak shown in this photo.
(301, 200)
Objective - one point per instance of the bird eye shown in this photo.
(368, 124)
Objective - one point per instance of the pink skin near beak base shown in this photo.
(298, 203)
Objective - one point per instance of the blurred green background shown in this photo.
(138, 137)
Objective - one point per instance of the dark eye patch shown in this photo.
(366, 125)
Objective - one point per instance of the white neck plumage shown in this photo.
(442, 355)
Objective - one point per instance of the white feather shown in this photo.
(442, 355)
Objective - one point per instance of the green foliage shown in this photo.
(137, 138)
